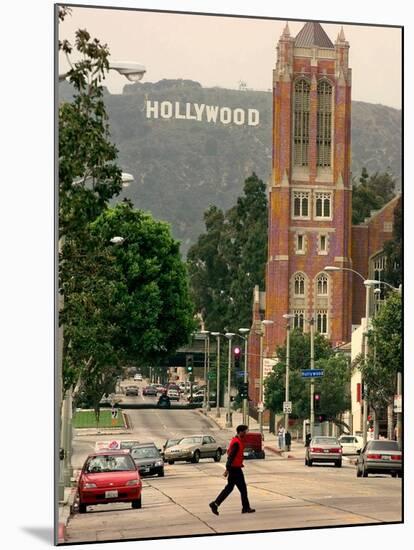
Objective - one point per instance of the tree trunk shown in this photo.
(390, 421)
(376, 423)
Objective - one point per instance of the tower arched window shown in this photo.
(301, 123)
(299, 285)
(324, 124)
(322, 285)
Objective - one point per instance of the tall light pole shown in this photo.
(288, 317)
(263, 324)
(229, 422)
(217, 335)
(312, 366)
(245, 332)
(132, 71)
(206, 334)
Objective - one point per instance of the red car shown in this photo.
(109, 476)
(149, 390)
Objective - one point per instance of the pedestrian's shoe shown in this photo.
(248, 511)
(214, 508)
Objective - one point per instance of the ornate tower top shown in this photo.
(311, 35)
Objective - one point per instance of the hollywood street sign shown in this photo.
(312, 373)
(202, 113)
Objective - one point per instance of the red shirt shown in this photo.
(235, 453)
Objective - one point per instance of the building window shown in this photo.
(322, 321)
(301, 123)
(378, 265)
(300, 243)
(299, 285)
(300, 204)
(323, 243)
(322, 285)
(324, 124)
(323, 205)
(299, 320)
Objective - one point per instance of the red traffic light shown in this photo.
(317, 396)
(236, 351)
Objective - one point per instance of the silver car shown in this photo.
(380, 456)
(193, 448)
(324, 449)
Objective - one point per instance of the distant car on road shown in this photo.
(169, 443)
(194, 447)
(324, 449)
(109, 476)
(148, 459)
(160, 388)
(149, 390)
(131, 390)
(138, 377)
(174, 395)
(350, 444)
(128, 443)
(380, 456)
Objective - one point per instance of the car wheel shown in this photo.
(393, 474)
(310, 463)
(171, 462)
(399, 474)
(364, 472)
(338, 463)
(306, 461)
(196, 457)
(82, 508)
(161, 473)
(217, 456)
(359, 473)
(137, 503)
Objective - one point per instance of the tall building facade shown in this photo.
(310, 203)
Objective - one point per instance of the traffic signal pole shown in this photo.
(312, 384)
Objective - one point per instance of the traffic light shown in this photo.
(237, 354)
(189, 363)
(244, 390)
(317, 401)
(322, 418)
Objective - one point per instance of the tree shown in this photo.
(127, 301)
(333, 387)
(394, 249)
(371, 193)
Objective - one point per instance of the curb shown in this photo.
(64, 516)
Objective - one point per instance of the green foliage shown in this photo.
(384, 359)
(371, 193)
(229, 259)
(333, 386)
(394, 249)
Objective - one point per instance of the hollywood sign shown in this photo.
(202, 113)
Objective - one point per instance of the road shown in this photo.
(285, 493)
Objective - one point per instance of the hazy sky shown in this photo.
(221, 51)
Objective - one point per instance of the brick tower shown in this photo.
(310, 204)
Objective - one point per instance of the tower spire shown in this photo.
(286, 31)
(341, 36)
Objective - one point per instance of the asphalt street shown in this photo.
(285, 493)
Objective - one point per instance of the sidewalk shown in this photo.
(297, 449)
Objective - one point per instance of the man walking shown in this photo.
(234, 473)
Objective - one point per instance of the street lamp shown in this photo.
(263, 324)
(132, 71)
(245, 331)
(229, 423)
(206, 399)
(217, 335)
(369, 283)
(288, 317)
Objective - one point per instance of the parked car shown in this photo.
(160, 388)
(138, 377)
(194, 447)
(169, 443)
(149, 390)
(109, 476)
(148, 459)
(131, 390)
(350, 444)
(174, 395)
(253, 445)
(380, 456)
(128, 443)
(324, 449)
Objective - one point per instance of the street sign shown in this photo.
(287, 407)
(398, 403)
(312, 373)
(268, 365)
(239, 373)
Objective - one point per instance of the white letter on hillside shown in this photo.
(177, 111)
(166, 109)
(211, 113)
(199, 109)
(238, 116)
(188, 114)
(225, 115)
(152, 109)
(253, 119)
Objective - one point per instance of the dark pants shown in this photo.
(235, 478)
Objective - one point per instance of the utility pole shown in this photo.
(368, 284)
(312, 384)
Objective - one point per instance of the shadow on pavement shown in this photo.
(42, 533)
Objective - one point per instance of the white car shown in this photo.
(173, 395)
(351, 444)
(138, 377)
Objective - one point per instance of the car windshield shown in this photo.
(109, 463)
(128, 444)
(384, 446)
(145, 452)
(190, 440)
(325, 440)
(171, 442)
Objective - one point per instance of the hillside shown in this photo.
(181, 166)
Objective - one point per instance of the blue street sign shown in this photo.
(239, 373)
(312, 373)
